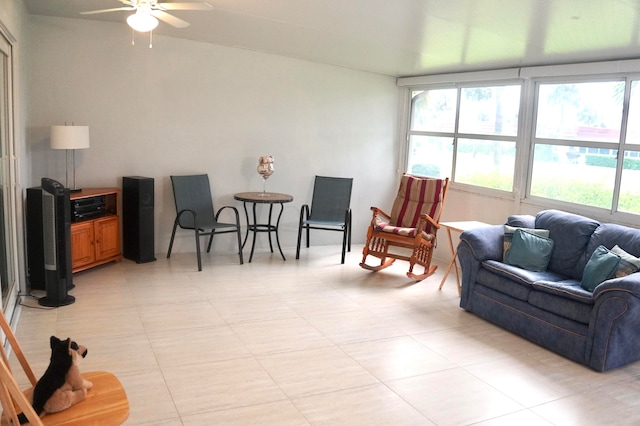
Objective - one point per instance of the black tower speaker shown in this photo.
(137, 218)
(35, 249)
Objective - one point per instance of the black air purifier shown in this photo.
(35, 251)
(56, 243)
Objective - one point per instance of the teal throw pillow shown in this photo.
(529, 251)
(629, 264)
(508, 236)
(601, 266)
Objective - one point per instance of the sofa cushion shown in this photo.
(571, 234)
(553, 331)
(508, 236)
(561, 306)
(600, 267)
(628, 265)
(503, 284)
(511, 280)
(568, 289)
(529, 251)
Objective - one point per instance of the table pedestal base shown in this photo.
(255, 227)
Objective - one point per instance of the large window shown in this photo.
(555, 140)
(467, 133)
(580, 148)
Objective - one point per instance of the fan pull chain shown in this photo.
(133, 38)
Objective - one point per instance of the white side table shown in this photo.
(458, 227)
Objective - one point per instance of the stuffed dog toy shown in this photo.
(61, 385)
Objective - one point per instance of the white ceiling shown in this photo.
(403, 37)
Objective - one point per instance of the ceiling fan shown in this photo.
(146, 12)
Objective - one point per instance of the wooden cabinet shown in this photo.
(95, 234)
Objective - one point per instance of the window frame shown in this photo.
(456, 135)
(621, 146)
(529, 78)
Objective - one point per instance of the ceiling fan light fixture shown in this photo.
(142, 21)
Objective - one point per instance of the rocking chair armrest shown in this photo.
(379, 212)
(426, 218)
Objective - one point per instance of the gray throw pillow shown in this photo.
(508, 236)
(529, 251)
(601, 266)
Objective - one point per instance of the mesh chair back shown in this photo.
(192, 193)
(331, 199)
(415, 197)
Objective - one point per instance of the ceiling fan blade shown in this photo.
(185, 6)
(170, 19)
(92, 12)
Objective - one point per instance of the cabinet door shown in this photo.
(107, 234)
(82, 248)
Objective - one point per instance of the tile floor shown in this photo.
(314, 342)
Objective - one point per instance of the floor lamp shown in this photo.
(70, 138)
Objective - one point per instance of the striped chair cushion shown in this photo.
(380, 225)
(415, 197)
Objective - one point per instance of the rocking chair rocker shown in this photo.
(411, 226)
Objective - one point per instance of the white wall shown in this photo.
(185, 107)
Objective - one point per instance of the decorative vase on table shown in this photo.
(265, 169)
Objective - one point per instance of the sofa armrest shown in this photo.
(629, 284)
(477, 245)
(613, 338)
(485, 243)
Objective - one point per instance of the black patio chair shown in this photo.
(329, 211)
(194, 211)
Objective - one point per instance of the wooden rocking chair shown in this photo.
(411, 227)
(106, 403)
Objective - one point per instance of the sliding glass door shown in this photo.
(8, 234)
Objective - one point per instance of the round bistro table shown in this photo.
(256, 198)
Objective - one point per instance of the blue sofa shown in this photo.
(599, 328)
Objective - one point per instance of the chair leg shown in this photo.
(365, 251)
(198, 249)
(173, 234)
(304, 214)
(344, 243)
(240, 246)
(299, 240)
(349, 225)
(213, 232)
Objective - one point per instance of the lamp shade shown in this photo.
(69, 137)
